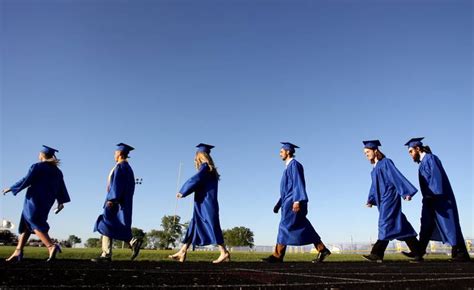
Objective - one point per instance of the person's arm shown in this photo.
(63, 195)
(117, 187)
(192, 183)
(371, 201)
(277, 206)
(298, 187)
(435, 176)
(22, 183)
(403, 187)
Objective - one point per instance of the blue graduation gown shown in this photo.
(388, 186)
(45, 185)
(295, 229)
(439, 204)
(204, 228)
(116, 222)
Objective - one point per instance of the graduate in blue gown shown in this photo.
(204, 228)
(294, 229)
(45, 185)
(387, 188)
(116, 221)
(439, 214)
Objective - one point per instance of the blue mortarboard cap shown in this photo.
(124, 147)
(415, 142)
(201, 147)
(372, 144)
(48, 150)
(288, 146)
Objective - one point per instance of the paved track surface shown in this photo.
(144, 274)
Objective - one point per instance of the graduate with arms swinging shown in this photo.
(204, 228)
(439, 213)
(45, 185)
(295, 229)
(116, 221)
(387, 189)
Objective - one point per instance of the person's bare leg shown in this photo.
(44, 237)
(22, 239)
(46, 240)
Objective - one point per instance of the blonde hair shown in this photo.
(378, 154)
(51, 159)
(203, 157)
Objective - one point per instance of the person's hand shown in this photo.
(407, 198)
(179, 195)
(368, 205)
(276, 208)
(109, 204)
(296, 207)
(6, 190)
(59, 208)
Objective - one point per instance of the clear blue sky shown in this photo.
(164, 76)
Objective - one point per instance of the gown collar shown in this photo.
(422, 155)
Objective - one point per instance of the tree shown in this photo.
(74, 240)
(238, 237)
(171, 231)
(7, 238)
(93, 243)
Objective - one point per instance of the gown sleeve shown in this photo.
(192, 184)
(402, 185)
(117, 185)
(371, 199)
(435, 177)
(63, 195)
(25, 181)
(299, 186)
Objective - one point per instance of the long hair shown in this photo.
(203, 157)
(51, 158)
(425, 149)
(378, 154)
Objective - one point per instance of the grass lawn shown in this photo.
(203, 256)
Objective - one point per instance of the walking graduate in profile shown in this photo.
(45, 185)
(204, 228)
(439, 213)
(388, 185)
(295, 229)
(116, 221)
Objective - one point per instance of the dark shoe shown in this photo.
(101, 259)
(54, 252)
(372, 258)
(408, 254)
(272, 259)
(417, 259)
(136, 248)
(460, 258)
(321, 256)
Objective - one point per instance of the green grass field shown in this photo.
(202, 256)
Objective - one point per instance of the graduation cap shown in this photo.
(48, 150)
(288, 146)
(124, 148)
(372, 144)
(201, 147)
(414, 142)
